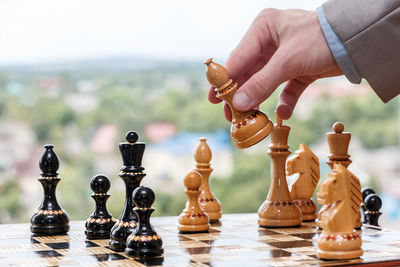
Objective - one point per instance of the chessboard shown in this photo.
(235, 241)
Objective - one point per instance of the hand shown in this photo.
(280, 46)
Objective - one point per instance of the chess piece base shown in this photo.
(276, 223)
(254, 139)
(91, 234)
(144, 253)
(49, 229)
(307, 208)
(278, 214)
(339, 255)
(117, 245)
(49, 224)
(337, 246)
(198, 228)
(214, 215)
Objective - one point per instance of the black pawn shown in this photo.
(99, 224)
(144, 243)
(132, 174)
(50, 218)
(366, 191)
(373, 204)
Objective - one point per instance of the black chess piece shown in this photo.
(50, 218)
(144, 243)
(365, 192)
(132, 174)
(373, 204)
(99, 224)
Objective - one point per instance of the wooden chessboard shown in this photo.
(236, 241)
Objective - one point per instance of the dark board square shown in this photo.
(306, 235)
(103, 257)
(90, 244)
(278, 253)
(264, 232)
(48, 253)
(152, 261)
(72, 245)
(61, 245)
(290, 244)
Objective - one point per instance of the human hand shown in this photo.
(280, 46)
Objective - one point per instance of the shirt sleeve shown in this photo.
(338, 49)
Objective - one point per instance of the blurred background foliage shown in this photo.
(133, 98)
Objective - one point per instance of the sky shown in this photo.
(43, 31)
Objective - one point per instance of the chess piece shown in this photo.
(248, 127)
(132, 174)
(306, 163)
(342, 192)
(279, 210)
(144, 242)
(50, 218)
(99, 224)
(193, 219)
(366, 191)
(208, 202)
(338, 142)
(371, 205)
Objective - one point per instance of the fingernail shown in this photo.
(241, 100)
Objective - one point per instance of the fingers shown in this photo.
(289, 96)
(227, 112)
(263, 83)
(211, 96)
(256, 42)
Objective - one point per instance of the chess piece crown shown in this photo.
(338, 142)
(132, 152)
(247, 128)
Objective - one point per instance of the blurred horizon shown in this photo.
(80, 75)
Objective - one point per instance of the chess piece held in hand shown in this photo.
(208, 202)
(193, 219)
(144, 242)
(99, 224)
(278, 210)
(341, 191)
(50, 218)
(248, 127)
(306, 164)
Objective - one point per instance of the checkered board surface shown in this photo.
(236, 241)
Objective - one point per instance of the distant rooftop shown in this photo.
(184, 143)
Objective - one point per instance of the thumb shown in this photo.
(263, 83)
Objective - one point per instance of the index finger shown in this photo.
(249, 49)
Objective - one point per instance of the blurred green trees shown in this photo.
(132, 99)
